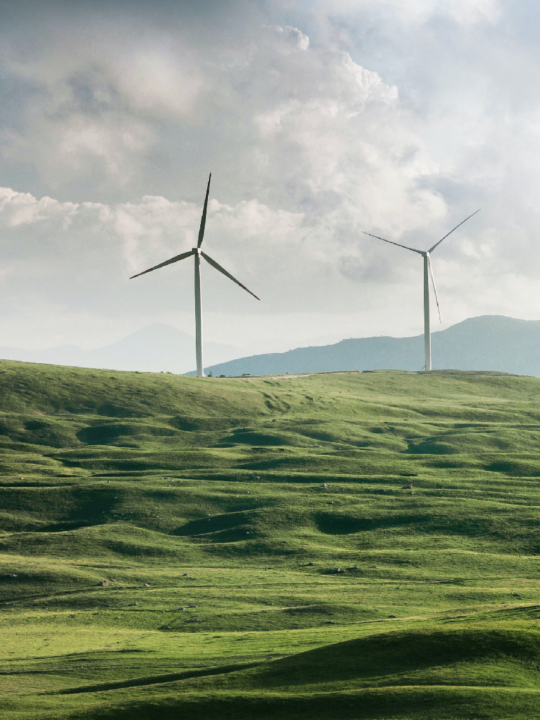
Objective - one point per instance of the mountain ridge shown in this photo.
(486, 342)
(154, 348)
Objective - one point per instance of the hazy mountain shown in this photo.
(489, 342)
(154, 348)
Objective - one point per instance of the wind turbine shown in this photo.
(428, 271)
(197, 254)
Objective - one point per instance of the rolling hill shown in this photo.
(489, 342)
(334, 547)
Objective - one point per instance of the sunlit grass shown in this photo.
(245, 528)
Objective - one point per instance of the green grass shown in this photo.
(242, 498)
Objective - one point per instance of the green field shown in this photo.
(335, 546)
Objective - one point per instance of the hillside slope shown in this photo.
(490, 342)
(348, 546)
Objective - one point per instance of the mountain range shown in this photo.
(155, 348)
(488, 342)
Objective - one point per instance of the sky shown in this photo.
(317, 119)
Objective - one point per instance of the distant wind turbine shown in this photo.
(197, 253)
(428, 271)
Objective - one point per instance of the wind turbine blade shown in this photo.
(203, 218)
(451, 231)
(393, 243)
(434, 288)
(176, 258)
(227, 274)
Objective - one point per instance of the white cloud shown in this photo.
(23, 208)
(318, 120)
(296, 37)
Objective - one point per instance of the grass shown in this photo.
(326, 547)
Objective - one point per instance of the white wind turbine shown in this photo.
(427, 272)
(197, 253)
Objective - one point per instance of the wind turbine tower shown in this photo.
(197, 254)
(428, 271)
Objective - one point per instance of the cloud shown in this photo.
(318, 120)
(108, 113)
(412, 14)
(296, 37)
(467, 13)
(23, 209)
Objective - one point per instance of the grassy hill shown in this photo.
(334, 546)
(489, 342)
